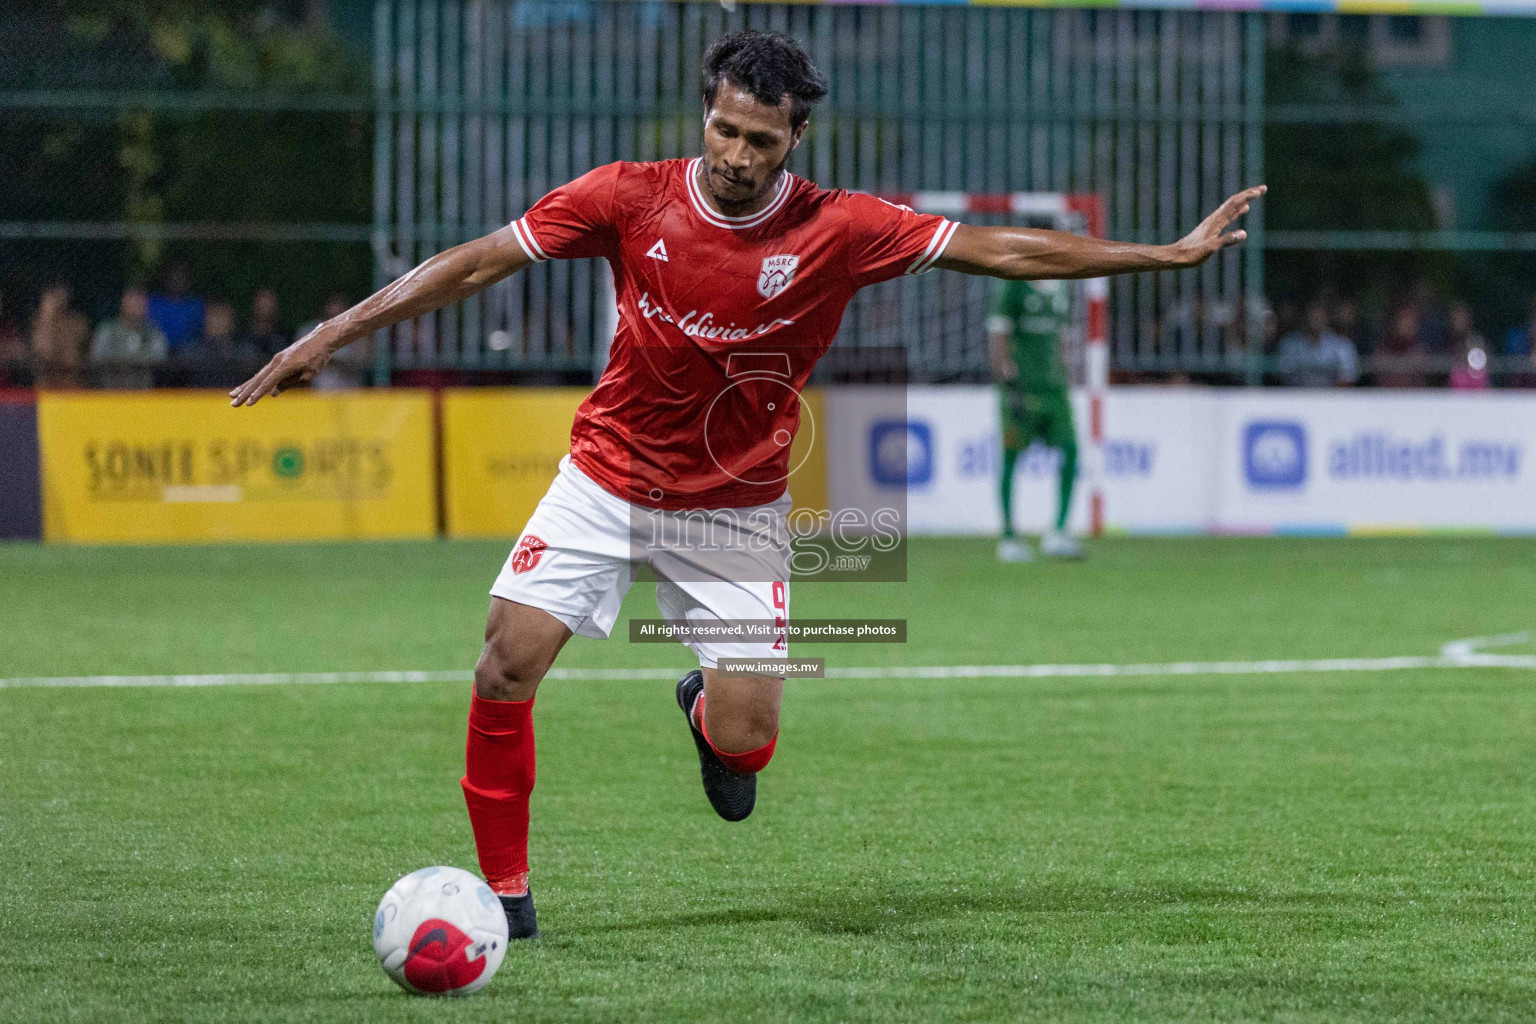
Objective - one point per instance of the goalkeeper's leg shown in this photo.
(1068, 477)
(1059, 434)
(1015, 434)
(1005, 489)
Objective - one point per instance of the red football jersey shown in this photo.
(721, 320)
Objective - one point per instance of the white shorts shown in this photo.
(577, 557)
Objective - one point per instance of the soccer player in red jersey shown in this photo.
(721, 259)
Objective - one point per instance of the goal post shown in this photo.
(1081, 213)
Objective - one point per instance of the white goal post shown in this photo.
(1083, 213)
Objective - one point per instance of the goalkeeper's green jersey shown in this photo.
(1034, 315)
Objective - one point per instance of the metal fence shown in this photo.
(469, 110)
(482, 107)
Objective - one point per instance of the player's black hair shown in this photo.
(768, 65)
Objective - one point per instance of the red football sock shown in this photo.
(748, 763)
(498, 779)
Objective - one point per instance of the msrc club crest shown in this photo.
(777, 273)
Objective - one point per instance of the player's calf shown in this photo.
(499, 765)
(730, 776)
(739, 714)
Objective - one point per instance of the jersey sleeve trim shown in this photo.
(999, 324)
(530, 245)
(936, 246)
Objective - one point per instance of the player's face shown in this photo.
(745, 146)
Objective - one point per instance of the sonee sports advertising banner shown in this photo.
(502, 448)
(125, 467)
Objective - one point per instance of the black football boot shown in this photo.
(732, 794)
(522, 922)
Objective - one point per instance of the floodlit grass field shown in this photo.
(1311, 847)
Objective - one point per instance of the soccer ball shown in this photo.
(440, 931)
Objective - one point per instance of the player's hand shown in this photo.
(1007, 369)
(1208, 239)
(294, 366)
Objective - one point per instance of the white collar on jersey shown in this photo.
(720, 220)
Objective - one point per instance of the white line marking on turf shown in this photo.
(1174, 668)
(1462, 648)
(1190, 668)
(243, 679)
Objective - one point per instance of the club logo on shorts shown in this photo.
(526, 555)
(776, 275)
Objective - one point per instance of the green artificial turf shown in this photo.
(1307, 847)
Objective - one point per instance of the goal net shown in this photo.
(939, 320)
(932, 329)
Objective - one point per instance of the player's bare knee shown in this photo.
(760, 731)
(746, 729)
(764, 723)
(506, 672)
(521, 643)
(511, 666)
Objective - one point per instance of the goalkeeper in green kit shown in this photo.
(1024, 332)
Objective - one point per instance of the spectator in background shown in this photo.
(1234, 335)
(1349, 322)
(126, 351)
(341, 373)
(1469, 371)
(15, 369)
(1521, 339)
(1399, 349)
(58, 338)
(1434, 323)
(1316, 357)
(1287, 318)
(264, 333)
(1235, 352)
(194, 364)
(219, 360)
(217, 351)
(178, 313)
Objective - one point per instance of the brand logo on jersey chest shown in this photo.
(776, 275)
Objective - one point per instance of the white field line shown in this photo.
(1462, 648)
(1189, 668)
(242, 679)
(1174, 668)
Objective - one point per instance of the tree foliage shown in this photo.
(182, 165)
(1354, 176)
(1505, 283)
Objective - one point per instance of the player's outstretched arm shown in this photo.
(1026, 254)
(448, 277)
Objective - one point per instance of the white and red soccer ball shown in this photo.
(440, 931)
